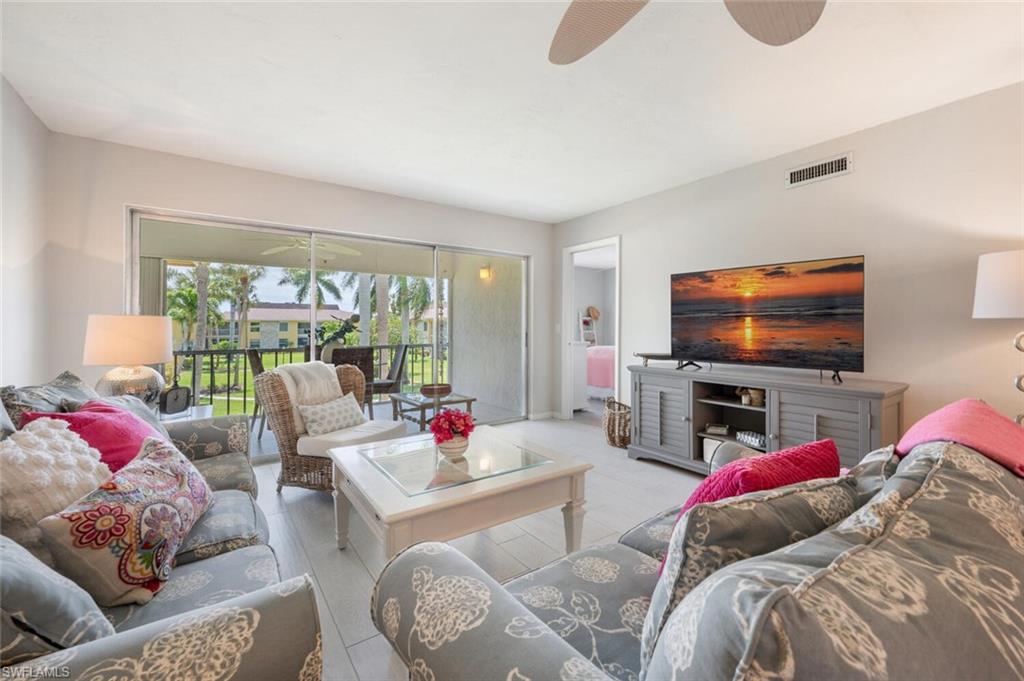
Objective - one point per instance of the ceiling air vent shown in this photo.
(819, 170)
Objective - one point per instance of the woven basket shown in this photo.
(617, 417)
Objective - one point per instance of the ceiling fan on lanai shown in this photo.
(589, 23)
(326, 250)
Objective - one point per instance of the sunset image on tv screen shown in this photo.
(805, 314)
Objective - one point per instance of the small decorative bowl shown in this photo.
(436, 390)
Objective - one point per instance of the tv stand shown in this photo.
(672, 409)
(836, 378)
(688, 363)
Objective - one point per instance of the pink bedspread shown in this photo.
(976, 425)
(601, 366)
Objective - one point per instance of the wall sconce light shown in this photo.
(485, 272)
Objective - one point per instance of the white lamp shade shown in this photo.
(999, 290)
(127, 340)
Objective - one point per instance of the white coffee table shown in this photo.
(407, 492)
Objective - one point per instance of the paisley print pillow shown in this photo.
(118, 542)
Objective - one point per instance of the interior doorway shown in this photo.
(590, 329)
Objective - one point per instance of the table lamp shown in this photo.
(130, 342)
(999, 294)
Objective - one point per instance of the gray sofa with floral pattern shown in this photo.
(915, 570)
(223, 613)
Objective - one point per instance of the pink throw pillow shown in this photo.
(752, 474)
(973, 424)
(804, 462)
(798, 464)
(117, 433)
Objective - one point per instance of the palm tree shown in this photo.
(182, 307)
(383, 308)
(365, 301)
(237, 285)
(202, 272)
(197, 278)
(364, 286)
(299, 278)
(411, 297)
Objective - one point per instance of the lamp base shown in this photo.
(140, 381)
(1018, 382)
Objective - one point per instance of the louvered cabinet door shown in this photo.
(797, 418)
(664, 415)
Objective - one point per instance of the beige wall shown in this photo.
(22, 241)
(487, 330)
(928, 194)
(91, 182)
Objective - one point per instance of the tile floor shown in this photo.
(620, 493)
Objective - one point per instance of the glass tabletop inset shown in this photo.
(420, 399)
(416, 466)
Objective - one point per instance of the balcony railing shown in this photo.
(223, 378)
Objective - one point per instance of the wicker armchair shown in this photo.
(296, 470)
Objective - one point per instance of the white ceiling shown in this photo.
(602, 258)
(457, 103)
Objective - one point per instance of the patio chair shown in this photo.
(393, 382)
(304, 458)
(256, 366)
(361, 357)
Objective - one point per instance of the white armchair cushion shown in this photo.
(371, 431)
(308, 383)
(328, 417)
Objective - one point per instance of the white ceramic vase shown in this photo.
(454, 448)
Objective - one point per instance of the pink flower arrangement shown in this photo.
(451, 423)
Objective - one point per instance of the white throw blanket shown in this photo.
(308, 383)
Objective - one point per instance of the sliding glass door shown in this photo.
(407, 314)
(384, 291)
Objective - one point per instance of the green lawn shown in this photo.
(240, 400)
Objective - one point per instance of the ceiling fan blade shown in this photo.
(587, 24)
(276, 249)
(340, 249)
(776, 22)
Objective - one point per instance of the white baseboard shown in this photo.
(540, 416)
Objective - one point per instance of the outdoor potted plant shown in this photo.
(451, 429)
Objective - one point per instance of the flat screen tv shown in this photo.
(807, 315)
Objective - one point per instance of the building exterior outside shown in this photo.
(272, 325)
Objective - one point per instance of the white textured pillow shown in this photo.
(328, 417)
(46, 468)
